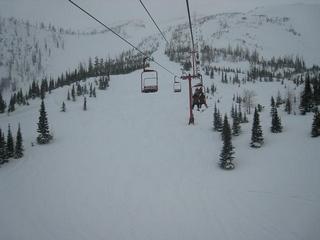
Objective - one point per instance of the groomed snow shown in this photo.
(131, 168)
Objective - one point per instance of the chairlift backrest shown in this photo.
(149, 81)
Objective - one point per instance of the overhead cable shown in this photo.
(122, 38)
(154, 22)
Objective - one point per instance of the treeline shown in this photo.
(10, 147)
(126, 62)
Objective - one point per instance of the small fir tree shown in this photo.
(256, 133)
(94, 92)
(315, 131)
(3, 105)
(85, 104)
(273, 106)
(236, 128)
(226, 156)
(63, 107)
(217, 121)
(68, 96)
(276, 126)
(306, 97)
(73, 93)
(10, 144)
(3, 156)
(44, 136)
(288, 107)
(19, 146)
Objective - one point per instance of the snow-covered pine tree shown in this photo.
(3, 105)
(232, 111)
(315, 130)
(73, 93)
(236, 128)
(68, 96)
(217, 121)
(3, 156)
(306, 97)
(94, 92)
(288, 107)
(63, 107)
(85, 104)
(12, 102)
(276, 126)
(215, 118)
(90, 90)
(226, 155)
(279, 99)
(44, 136)
(273, 106)
(256, 132)
(18, 153)
(10, 144)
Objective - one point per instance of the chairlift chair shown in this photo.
(176, 85)
(149, 81)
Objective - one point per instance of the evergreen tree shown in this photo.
(44, 136)
(85, 104)
(3, 156)
(279, 99)
(315, 131)
(306, 97)
(273, 106)
(3, 105)
(63, 107)
(236, 128)
(232, 111)
(68, 96)
(217, 121)
(19, 146)
(12, 102)
(73, 93)
(288, 107)
(10, 144)
(256, 133)
(226, 156)
(276, 122)
(94, 92)
(90, 90)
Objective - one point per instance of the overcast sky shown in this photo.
(62, 13)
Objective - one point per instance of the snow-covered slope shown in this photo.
(285, 30)
(31, 52)
(131, 168)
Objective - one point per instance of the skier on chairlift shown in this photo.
(202, 98)
(195, 99)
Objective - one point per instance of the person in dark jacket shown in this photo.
(202, 99)
(195, 99)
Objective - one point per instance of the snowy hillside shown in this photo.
(287, 30)
(32, 52)
(129, 167)
(25, 52)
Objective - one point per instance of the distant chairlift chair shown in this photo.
(176, 85)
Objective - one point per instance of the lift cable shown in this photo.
(190, 25)
(122, 38)
(154, 22)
